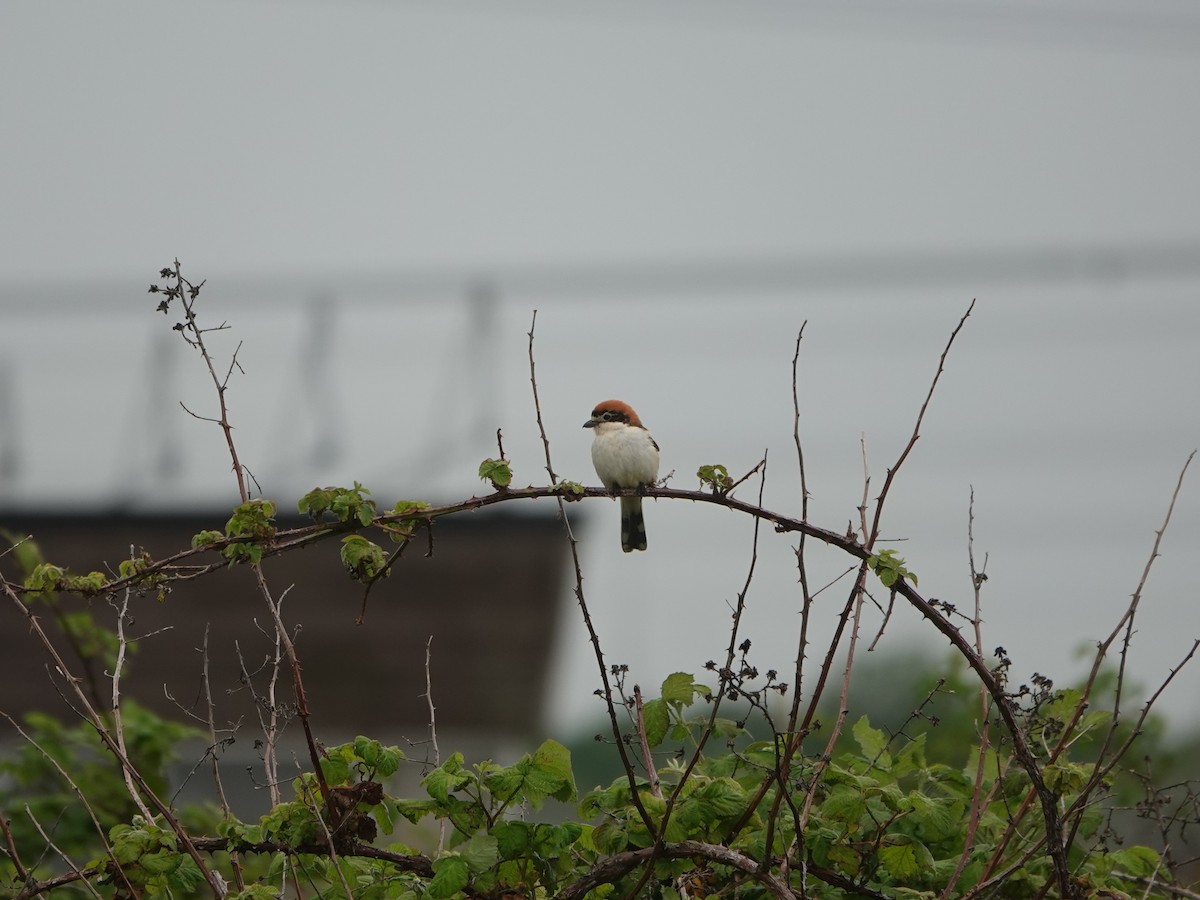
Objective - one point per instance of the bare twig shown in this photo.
(1126, 623)
(190, 327)
(210, 711)
(433, 739)
(118, 724)
(891, 473)
(10, 845)
(626, 763)
(979, 797)
(647, 756)
(619, 864)
(63, 856)
(739, 610)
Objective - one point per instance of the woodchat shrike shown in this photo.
(625, 456)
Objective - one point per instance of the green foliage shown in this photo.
(32, 778)
(571, 488)
(344, 504)
(46, 577)
(497, 471)
(150, 859)
(883, 813)
(52, 578)
(665, 717)
(253, 520)
(139, 570)
(890, 568)
(363, 559)
(715, 477)
(402, 528)
(91, 640)
(205, 539)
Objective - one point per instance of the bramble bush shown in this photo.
(729, 783)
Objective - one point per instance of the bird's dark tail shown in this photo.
(633, 526)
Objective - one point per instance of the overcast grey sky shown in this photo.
(626, 170)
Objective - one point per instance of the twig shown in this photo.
(1126, 623)
(840, 719)
(806, 596)
(626, 763)
(210, 710)
(10, 844)
(331, 849)
(537, 404)
(433, 740)
(383, 570)
(70, 864)
(862, 508)
(619, 864)
(979, 798)
(647, 756)
(118, 724)
(891, 473)
(730, 654)
(187, 299)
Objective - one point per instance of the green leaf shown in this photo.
(610, 837)
(844, 804)
(512, 838)
(1066, 777)
(937, 819)
(363, 559)
(903, 857)
(716, 477)
(846, 859)
(911, 757)
(383, 816)
(446, 778)
(481, 852)
(1139, 862)
(890, 568)
(205, 539)
(497, 471)
(553, 761)
(91, 583)
(186, 875)
(870, 740)
(415, 810)
(450, 875)
(654, 713)
(679, 688)
(49, 577)
(723, 796)
(316, 501)
(252, 519)
(336, 769)
(506, 782)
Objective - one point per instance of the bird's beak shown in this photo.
(591, 423)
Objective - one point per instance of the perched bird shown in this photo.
(625, 456)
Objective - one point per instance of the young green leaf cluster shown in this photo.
(255, 520)
(890, 568)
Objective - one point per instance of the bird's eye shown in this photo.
(612, 415)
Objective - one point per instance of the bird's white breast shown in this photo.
(624, 456)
